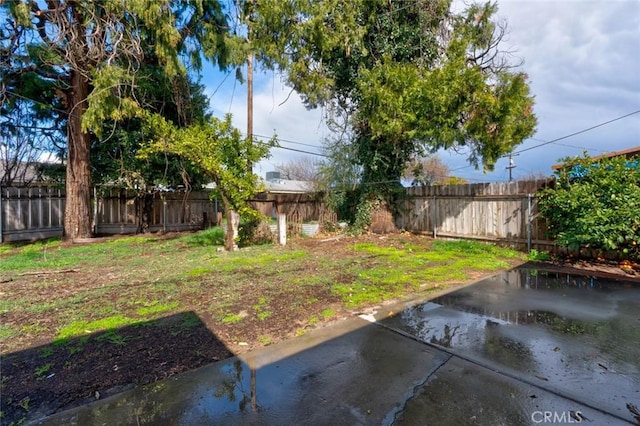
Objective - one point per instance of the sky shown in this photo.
(582, 58)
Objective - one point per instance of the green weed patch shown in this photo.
(79, 328)
(208, 237)
(408, 269)
(129, 280)
(155, 307)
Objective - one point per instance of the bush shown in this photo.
(595, 204)
(254, 231)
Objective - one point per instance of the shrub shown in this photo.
(595, 204)
(254, 231)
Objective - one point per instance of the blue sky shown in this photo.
(583, 62)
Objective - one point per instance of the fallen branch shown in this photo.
(62, 271)
(331, 239)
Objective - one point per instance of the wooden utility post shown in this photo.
(249, 83)
(510, 167)
(250, 100)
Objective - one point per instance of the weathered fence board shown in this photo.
(31, 213)
(124, 212)
(37, 212)
(499, 212)
(504, 212)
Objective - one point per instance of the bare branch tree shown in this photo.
(23, 144)
(302, 168)
(426, 171)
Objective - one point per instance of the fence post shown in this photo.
(282, 229)
(1, 215)
(60, 209)
(95, 210)
(529, 196)
(22, 225)
(164, 212)
(40, 219)
(30, 209)
(434, 214)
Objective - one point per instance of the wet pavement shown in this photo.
(524, 347)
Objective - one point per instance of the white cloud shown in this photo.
(276, 110)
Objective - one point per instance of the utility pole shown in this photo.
(510, 167)
(249, 12)
(250, 99)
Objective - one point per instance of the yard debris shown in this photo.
(331, 239)
(61, 271)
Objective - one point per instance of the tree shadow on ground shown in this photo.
(43, 380)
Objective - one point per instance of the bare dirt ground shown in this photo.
(45, 377)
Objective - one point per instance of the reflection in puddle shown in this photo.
(449, 333)
(233, 386)
(570, 331)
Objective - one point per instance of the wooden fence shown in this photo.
(31, 213)
(504, 212)
(119, 211)
(498, 212)
(37, 212)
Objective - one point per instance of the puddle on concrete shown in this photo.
(579, 335)
(360, 377)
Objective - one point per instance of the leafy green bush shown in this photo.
(254, 231)
(538, 255)
(595, 204)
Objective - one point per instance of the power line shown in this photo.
(575, 133)
(299, 150)
(261, 136)
(569, 146)
(461, 168)
(555, 141)
(23, 126)
(220, 85)
(293, 149)
(288, 140)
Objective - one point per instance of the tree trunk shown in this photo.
(232, 226)
(77, 214)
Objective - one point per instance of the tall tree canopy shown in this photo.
(114, 155)
(410, 76)
(79, 60)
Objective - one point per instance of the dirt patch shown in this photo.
(42, 374)
(616, 270)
